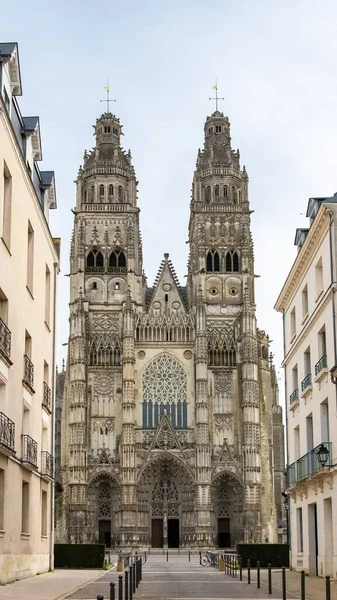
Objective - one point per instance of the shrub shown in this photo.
(275, 554)
(79, 556)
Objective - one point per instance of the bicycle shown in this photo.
(210, 558)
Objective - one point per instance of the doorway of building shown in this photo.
(157, 533)
(105, 533)
(224, 535)
(173, 533)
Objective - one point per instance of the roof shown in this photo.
(47, 178)
(7, 49)
(9, 52)
(31, 126)
(30, 123)
(48, 183)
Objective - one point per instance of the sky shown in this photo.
(275, 63)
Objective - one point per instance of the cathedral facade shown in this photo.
(170, 400)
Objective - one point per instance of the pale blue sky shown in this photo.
(276, 66)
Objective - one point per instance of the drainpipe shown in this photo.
(52, 444)
(333, 295)
(287, 443)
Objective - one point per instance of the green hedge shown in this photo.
(79, 556)
(275, 554)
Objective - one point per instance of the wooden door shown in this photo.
(157, 533)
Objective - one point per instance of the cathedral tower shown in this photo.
(167, 410)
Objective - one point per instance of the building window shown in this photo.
(221, 348)
(310, 433)
(94, 285)
(117, 261)
(117, 286)
(115, 131)
(47, 297)
(307, 362)
(105, 353)
(3, 307)
(92, 193)
(44, 514)
(212, 261)
(207, 194)
(232, 262)
(101, 190)
(210, 130)
(325, 427)
(95, 261)
(319, 278)
(7, 101)
(107, 129)
(164, 389)
(6, 206)
(2, 499)
(293, 323)
(25, 507)
(234, 194)
(30, 258)
(305, 302)
(299, 523)
(322, 343)
(111, 190)
(218, 129)
(225, 191)
(85, 195)
(216, 190)
(120, 193)
(297, 443)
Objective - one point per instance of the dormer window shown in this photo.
(107, 129)
(212, 261)
(218, 129)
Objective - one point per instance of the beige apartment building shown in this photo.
(308, 304)
(29, 265)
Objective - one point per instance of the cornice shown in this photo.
(303, 260)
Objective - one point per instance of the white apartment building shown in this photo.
(308, 304)
(29, 266)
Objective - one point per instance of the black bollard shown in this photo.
(269, 579)
(137, 572)
(284, 589)
(199, 557)
(112, 591)
(248, 569)
(100, 597)
(327, 588)
(167, 556)
(302, 585)
(189, 556)
(240, 567)
(120, 587)
(126, 585)
(258, 574)
(134, 578)
(130, 582)
(140, 569)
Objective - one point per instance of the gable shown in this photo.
(166, 297)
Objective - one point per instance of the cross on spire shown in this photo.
(108, 99)
(215, 87)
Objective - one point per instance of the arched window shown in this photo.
(212, 262)
(216, 190)
(234, 194)
(111, 190)
(95, 261)
(239, 196)
(117, 262)
(225, 191)
(164, 389)
(120, 194)
(92, 192)
(208, 194)
(232, 262)
(101, 190)
(85, 196)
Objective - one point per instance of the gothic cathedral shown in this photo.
(170, 402)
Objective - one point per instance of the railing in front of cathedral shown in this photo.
(162, 328)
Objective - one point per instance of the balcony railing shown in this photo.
(306, 382)
(28, 371)
(5, 340)
(322, 364)
(46, 401)
(307, 465)
(47, 464)
(7, 433)
(29, 450)
(294, 397)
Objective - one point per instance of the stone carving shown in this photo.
(104, 384)
(164, 380)
(105, 322)
(223, 422)
(188, 354)
(141, 354)
(223, 383)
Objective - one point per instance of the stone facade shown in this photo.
(167, 420)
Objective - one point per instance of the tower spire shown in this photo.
(108, 99)
(215, 87)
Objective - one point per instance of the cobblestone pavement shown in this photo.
(179, 579)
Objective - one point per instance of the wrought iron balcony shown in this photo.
(46, 401)
(322, 364)
(28, 372)
(5, 340)
(306, 382)
(294, 397)
(307, 466)
(7, 433)
(47, 464)
(29, 450)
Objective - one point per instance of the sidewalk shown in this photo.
(314, 586)
(55, 585)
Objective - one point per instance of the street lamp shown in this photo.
(322, 455)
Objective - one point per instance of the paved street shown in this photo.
(179, 579)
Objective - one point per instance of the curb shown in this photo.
(77, 587)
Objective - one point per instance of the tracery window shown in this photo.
(94, 261)
(164, 388)
(117, 262)
(221, 347)
(212, 261)
(105, 353)
(104, 501)
(232, 261)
